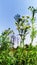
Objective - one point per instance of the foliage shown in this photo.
(22, 56)
(4, 39)
(26, 55)
(22, 26)
(32, 19)
(5, 58)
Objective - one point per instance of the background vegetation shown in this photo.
(26, 55)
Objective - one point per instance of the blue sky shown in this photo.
(9, 8)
